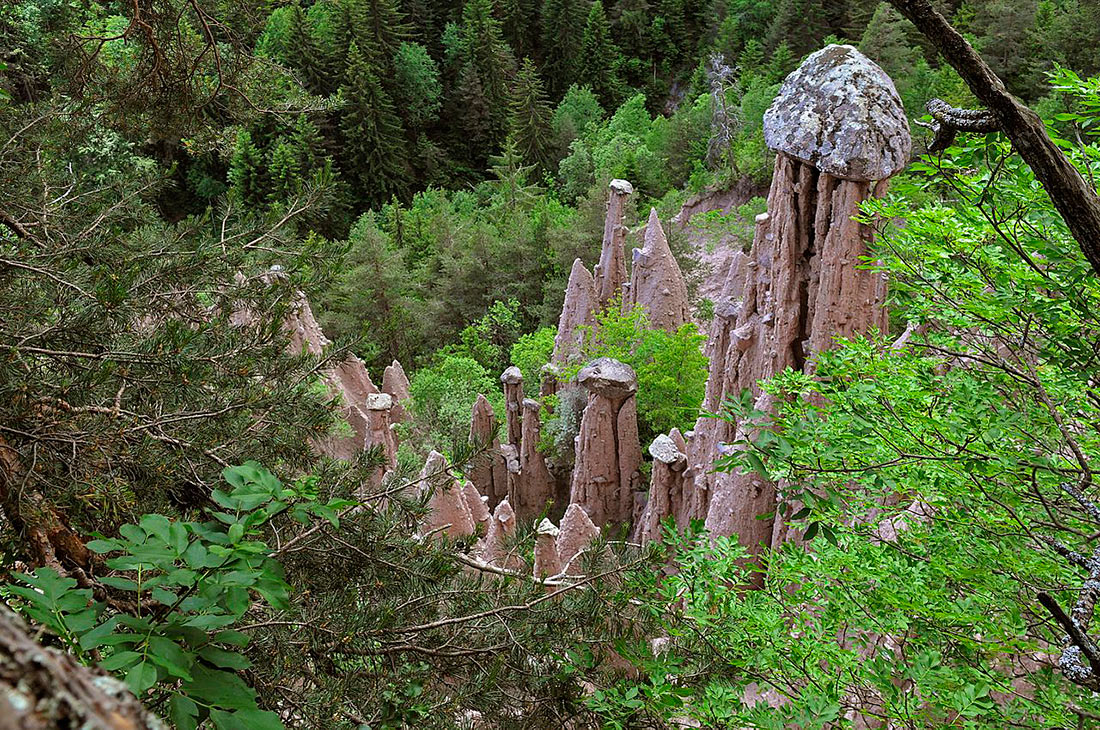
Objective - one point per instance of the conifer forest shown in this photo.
(567, 364)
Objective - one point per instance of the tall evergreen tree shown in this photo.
(306, 54)
(473, 119)
(670, 33)
(384, 27)
(520, 25)
(487, 55)
(418, 90)
(561, 43)
(886, 43)
(343, 35)
(801, 24)
(284, 171)
(374, 142)
(530, 130)
(247, 184)
(600, 59)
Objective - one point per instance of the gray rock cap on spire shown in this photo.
(840, 112)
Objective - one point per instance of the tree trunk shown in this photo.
(43, 688)
(1075, 200)
(48, 538)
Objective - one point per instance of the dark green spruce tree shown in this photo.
(600, 59)
(247, 182)
(382, 29)
(520, 24)
(374, 142)
(561, 43)
(307, 55)
(530, 131)
(486, 56)
(801, 24)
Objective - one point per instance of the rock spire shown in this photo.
(656, 281)
(839, 130)
(608, 453)
(611, 271)
(489, 472)
(577, 311)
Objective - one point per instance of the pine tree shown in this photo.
(530, 131)
(308, 143)
(561, 43)
(343, 35)
(751, 60)
(488, 57)
(512, 179)
(284, 172)
(670, 32)
(520, 25)
(885, 42)
(306, 55)
(374, 142)
(247, 185)
(600, 59)
(473, 118)
(417, 91)
(384, 27)
(782, 63)
(801, 24)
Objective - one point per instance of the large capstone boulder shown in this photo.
(610, 378)
(840, 113)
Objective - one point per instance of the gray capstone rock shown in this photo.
(664, 449)
(610, 378)
(840, 113)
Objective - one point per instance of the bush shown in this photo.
(201, 574)
(443, 396)
(671, 366)
(531, 352)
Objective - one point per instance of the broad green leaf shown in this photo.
(141, 677)
(104, 546)
(233, 638)
(121, 660)
(96, 637)
(246, 720)
(211, 621)
(115, 581)
(224, 659)
(183, 712)
(171, 656)
(221, 689)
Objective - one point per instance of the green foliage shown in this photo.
(417, 87)
(488, 60)
(577, 109)
(532, 351)
(561, 43)
(199, 578)
(373, 136)
(529, 120)
(491, 338)
(933, 485)
(599, 58)
(671, 366)
(246, 178)
(443, 397)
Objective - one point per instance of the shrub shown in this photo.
(531, 352)
(197, 578)
(671, 366)
(443, 396)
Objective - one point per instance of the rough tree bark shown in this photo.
(49, 540)
(44, 688)
(1075, 200)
